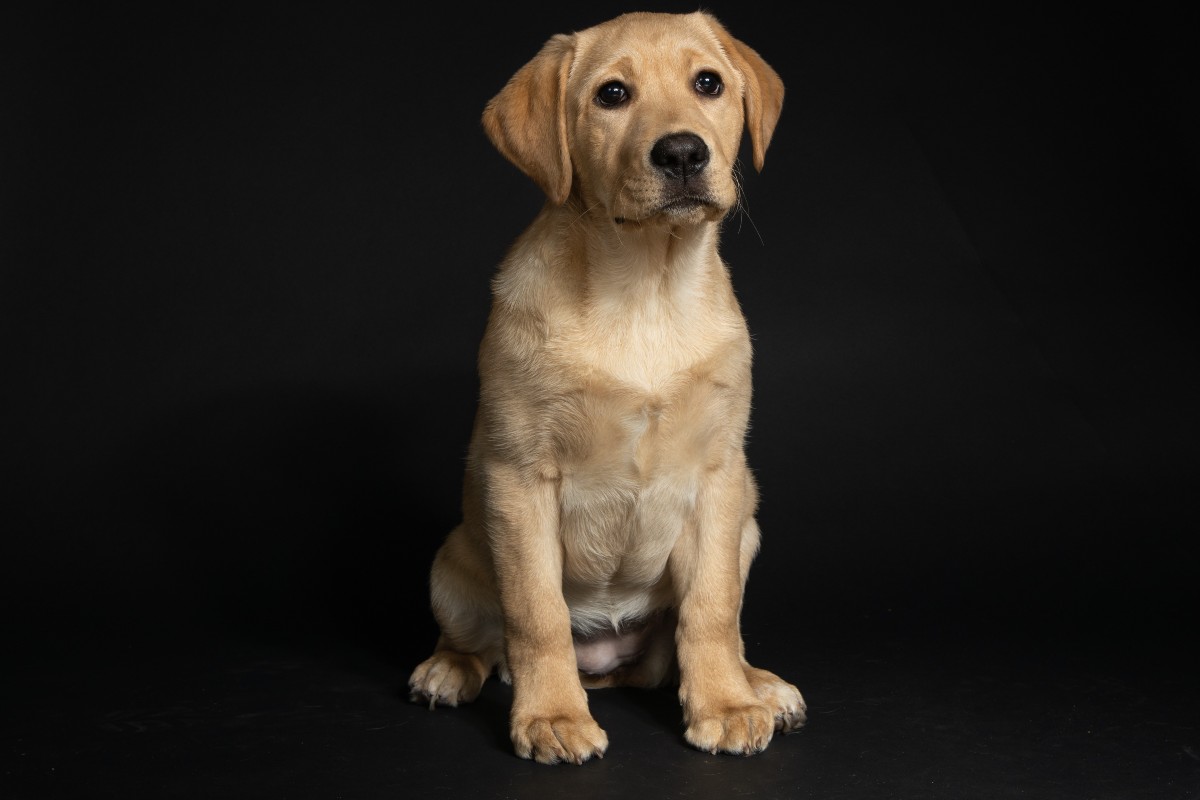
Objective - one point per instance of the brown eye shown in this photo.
(612, 94)
(709, 83)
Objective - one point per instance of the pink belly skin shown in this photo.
(603, 653)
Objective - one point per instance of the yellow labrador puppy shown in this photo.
(608, 511)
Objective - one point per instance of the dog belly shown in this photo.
(600, 654)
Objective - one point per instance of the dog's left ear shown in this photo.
(527, 120)
(764, 90)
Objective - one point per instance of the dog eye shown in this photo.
(709, 83)
(612, 93)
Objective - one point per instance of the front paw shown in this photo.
(557, 738)
(742, 728)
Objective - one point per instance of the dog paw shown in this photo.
(738, 728)
(447, 678)
(781, 696)
(553, 739)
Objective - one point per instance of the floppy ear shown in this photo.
(527, 120)
(763, 96)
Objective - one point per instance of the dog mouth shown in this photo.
(676, 207)
(684, 203)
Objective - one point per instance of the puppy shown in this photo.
(608, 511)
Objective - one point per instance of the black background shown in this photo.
(245, 255)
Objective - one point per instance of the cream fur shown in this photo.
(608, 510)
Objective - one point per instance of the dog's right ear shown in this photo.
(527, 120)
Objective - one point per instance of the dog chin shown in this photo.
(673, 213)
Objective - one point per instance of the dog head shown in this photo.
(641, 116)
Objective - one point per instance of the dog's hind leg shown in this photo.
(448, 677)
(471, 644)
(781, 697)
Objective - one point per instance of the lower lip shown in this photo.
(681, 205)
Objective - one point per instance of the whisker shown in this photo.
(584, 213)
(743, 204)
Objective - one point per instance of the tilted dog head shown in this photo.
(641, 116)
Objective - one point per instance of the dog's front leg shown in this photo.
(550, 721)
(721, 710)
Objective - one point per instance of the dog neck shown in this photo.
(635, 264)
(611, 273)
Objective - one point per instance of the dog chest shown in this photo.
(632, 466)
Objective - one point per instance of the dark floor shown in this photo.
(1043, 682)
(894, 711)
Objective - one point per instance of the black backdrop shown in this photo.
(245, 255)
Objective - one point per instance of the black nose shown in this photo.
(680, 155)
